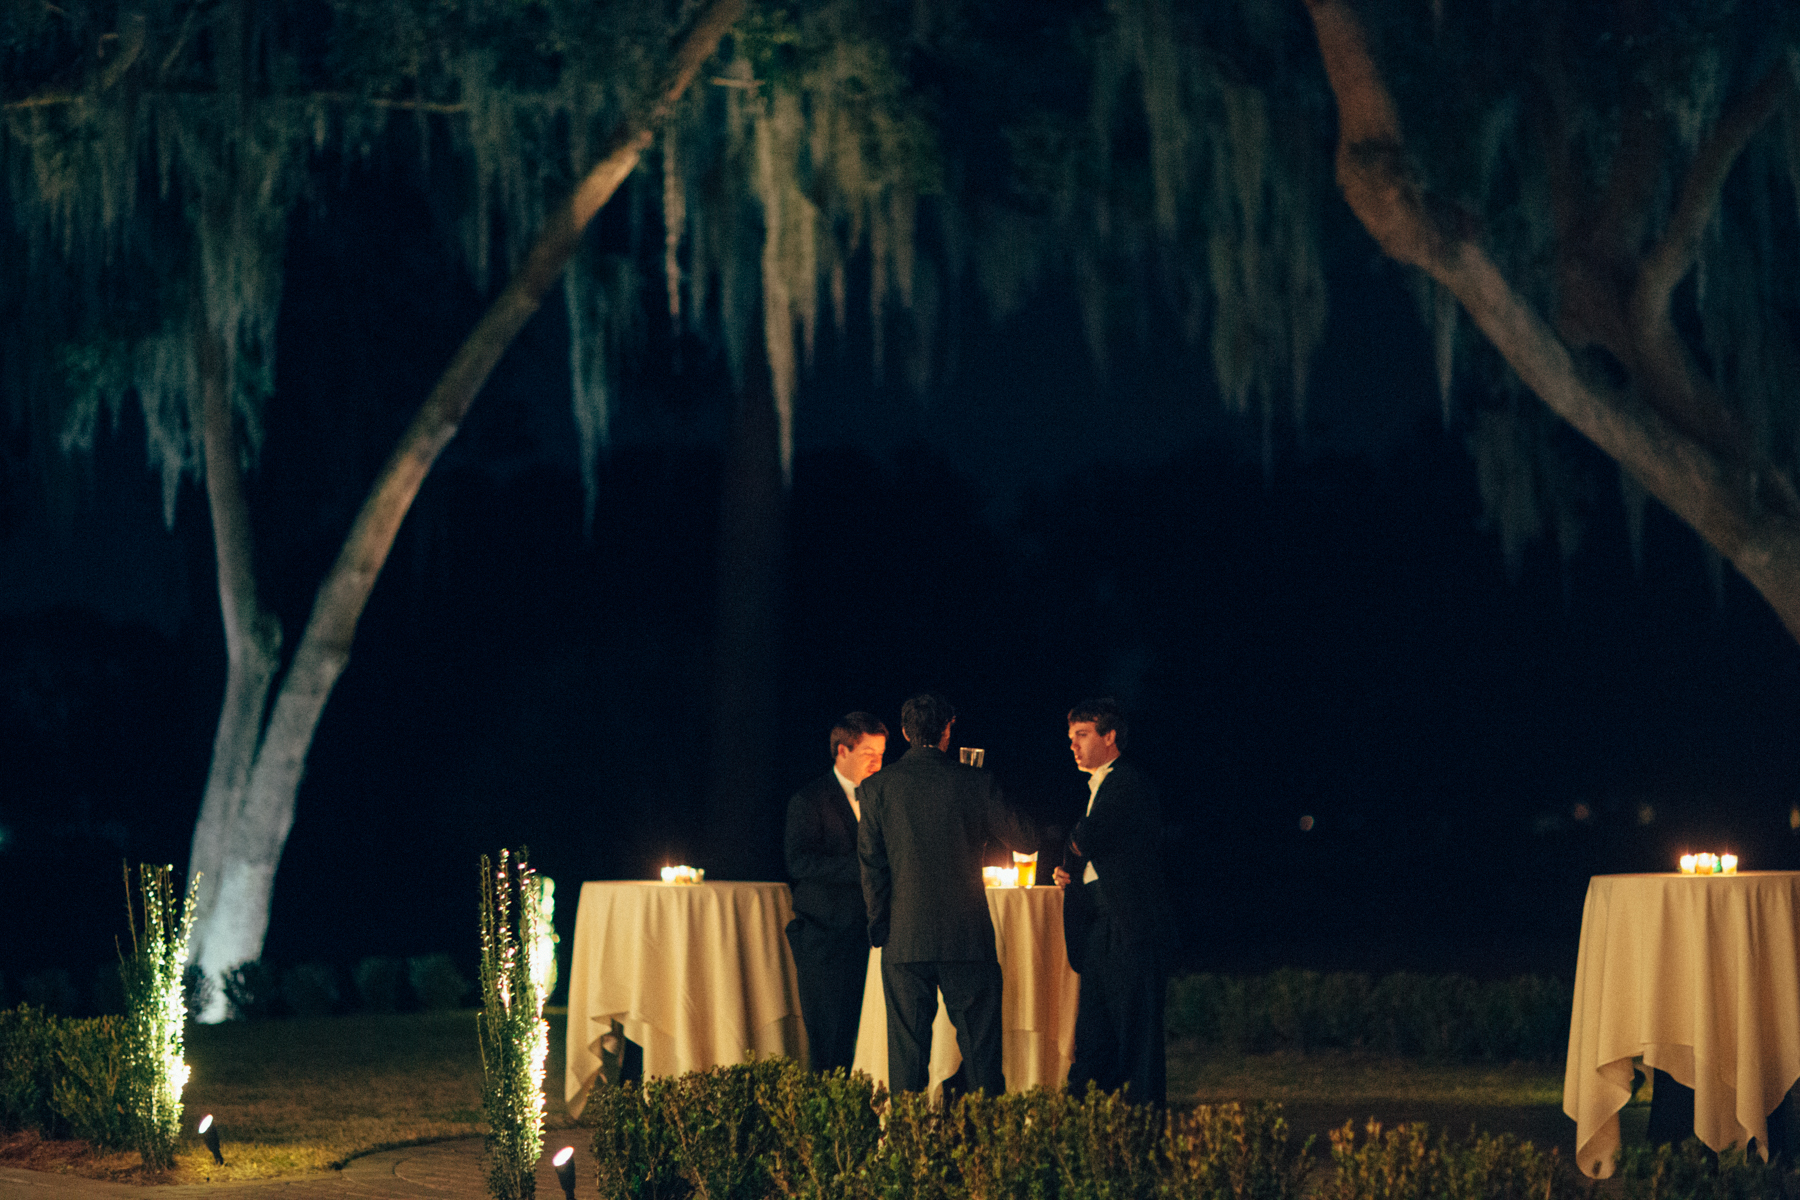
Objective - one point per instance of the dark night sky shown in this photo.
(1338, 641)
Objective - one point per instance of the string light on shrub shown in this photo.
(564, 1162)
(155, 1012)
(515, 916)
(209, 1133)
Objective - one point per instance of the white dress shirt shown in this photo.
(850, 793)
(1094, 778)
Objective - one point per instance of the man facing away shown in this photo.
(1117, 924)
(925, 821)
(830, 929)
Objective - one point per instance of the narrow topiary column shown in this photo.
(516, 964)
(155, 1010)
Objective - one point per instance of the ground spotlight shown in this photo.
(564, 1162)
(209, 1133)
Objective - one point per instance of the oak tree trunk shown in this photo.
(249, 805)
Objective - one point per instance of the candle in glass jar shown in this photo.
(1728, 863)
(1688, 865)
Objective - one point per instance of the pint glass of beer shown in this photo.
(1027, 864)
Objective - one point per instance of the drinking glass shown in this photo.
(1027, 864)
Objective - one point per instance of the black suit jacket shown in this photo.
(821, 856)
(1123, 838)
(925, 821)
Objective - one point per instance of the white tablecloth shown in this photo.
(1700, 975)
(1037, 1004)
(699, 975)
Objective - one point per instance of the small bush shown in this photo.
(378, 984)
(1695, 1173)
(252, 989)
(436, 981)
(1407, 1163)
(824, 1127)
(27, 1070)
(774, 1129)
(92, 1093)
(310, 990)
(634, 1150)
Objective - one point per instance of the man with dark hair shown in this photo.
(830, 929)
(1116, 922)
(925, 822)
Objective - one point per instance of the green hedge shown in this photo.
(65, 1077)
(772, 1129)
(1695, 1173)
(1430, 1016)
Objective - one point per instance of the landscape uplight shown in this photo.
(564, 1162)
(209, 1133)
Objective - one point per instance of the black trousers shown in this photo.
(833, 969)
(971, 996)
(1119, 1025)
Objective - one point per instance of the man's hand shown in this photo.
(1061, 876)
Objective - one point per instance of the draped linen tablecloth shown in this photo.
(1037, 1003)
(697, 974)
(1700, 975)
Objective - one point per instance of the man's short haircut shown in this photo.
(1106, 715)
(924, 718)
(852, 728)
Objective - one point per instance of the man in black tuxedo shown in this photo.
(1117, 921)
(925, 822)
(830, 929)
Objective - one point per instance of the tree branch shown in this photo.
(1679, 246)
(345, 590)
(1717, 495)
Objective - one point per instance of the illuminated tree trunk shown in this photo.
(249, 805)
(1667, 426)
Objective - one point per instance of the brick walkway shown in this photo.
(440, 1171)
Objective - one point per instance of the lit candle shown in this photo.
(1729, 863)
(1687, 864)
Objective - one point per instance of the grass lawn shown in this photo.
(295, 1096)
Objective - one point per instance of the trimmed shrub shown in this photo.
(1693, 1172)
(92, 1093)
(66, 1077)
(252, 989)
(1430, 1016)
(310, 990)
(824, 1129)
(772, 1128)
(436, 981)
(27, 1070)
(378, 984)
(1407, 1163)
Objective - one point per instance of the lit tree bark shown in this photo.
(245, 826)
(1667, 426)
